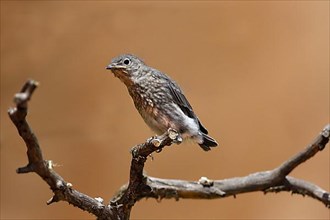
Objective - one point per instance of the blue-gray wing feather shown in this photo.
(184, 105)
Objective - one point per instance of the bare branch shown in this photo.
(141, 186)
(317, 145)
(137, 182)
(275, 180)
(61, 189)
(165, 188)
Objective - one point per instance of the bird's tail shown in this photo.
(208, 142)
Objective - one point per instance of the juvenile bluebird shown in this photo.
(159, 100)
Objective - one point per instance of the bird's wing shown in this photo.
(184, 105)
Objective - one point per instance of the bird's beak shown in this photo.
(112, 66)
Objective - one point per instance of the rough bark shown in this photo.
(140, 186)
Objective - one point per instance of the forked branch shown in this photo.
(140, 186)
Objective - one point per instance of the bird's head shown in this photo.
(126, 67)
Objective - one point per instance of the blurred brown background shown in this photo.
(256, 73)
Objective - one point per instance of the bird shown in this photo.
(159, 100)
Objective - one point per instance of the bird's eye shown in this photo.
(127, 61)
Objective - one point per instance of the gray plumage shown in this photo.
(159, 100)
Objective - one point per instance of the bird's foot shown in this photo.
(155, 141)
(158, 141)
(174, 135)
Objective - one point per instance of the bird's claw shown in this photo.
(156, 142)
(174, 136)
(171, 133)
